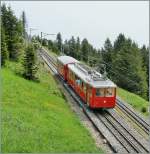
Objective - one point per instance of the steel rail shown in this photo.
(132, 115)
(111, 115)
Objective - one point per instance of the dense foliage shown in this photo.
(29, 63)
(15, 43)
(12, 31)
(125, 63)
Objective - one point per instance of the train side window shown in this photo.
(100, 92)
(77, 80)
(109, 92)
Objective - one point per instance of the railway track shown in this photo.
(134, 116)
(142, 123)
(117, 135)
(124, 135)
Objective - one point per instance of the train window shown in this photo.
(78, 82)
(100, 92)
(109, 92)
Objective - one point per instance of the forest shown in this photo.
(123, 60)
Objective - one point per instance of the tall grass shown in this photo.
(35, 117)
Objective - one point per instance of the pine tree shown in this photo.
(50, 45)
(24, 25)
(13, 31)
(128, 68)
(145, 57)
(4, 52)
(78, 48)
(119, 42)
(29, 63)
(59, 42)
(72, 47)
(107, 55)
(45, 42)
(84, 50)
(66, 47)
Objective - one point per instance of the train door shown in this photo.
(88, 95)
(66, 72)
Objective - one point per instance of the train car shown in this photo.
(91, 86)
(62, 65)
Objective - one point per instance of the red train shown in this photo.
(90, 85)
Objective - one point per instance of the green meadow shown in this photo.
(36, 117)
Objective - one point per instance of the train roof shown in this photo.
(67, 60)
(93, 78)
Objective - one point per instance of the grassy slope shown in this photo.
(134, 100)
(35, 117)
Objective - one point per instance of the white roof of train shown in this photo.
(67, 60)
(88, 79)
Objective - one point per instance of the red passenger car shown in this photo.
(91, 86)
(62, 65)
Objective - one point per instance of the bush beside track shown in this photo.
(36, 117)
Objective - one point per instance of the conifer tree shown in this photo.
(128, 67)
(84, 50)
(78, 48)
(24, 25)
(107, 54)
(66, 47)
(145, 55)
(72, 47)
(4, 51)
(59, 42)
(29, 63)
(13, 31)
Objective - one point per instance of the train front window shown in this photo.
(109, 92)
(100, 92)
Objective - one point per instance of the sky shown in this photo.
(95, 21)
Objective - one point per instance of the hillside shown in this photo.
(35, 117)
(137, 102)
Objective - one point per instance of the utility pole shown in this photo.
(31, 29)
(43, 35)
(41, 39)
